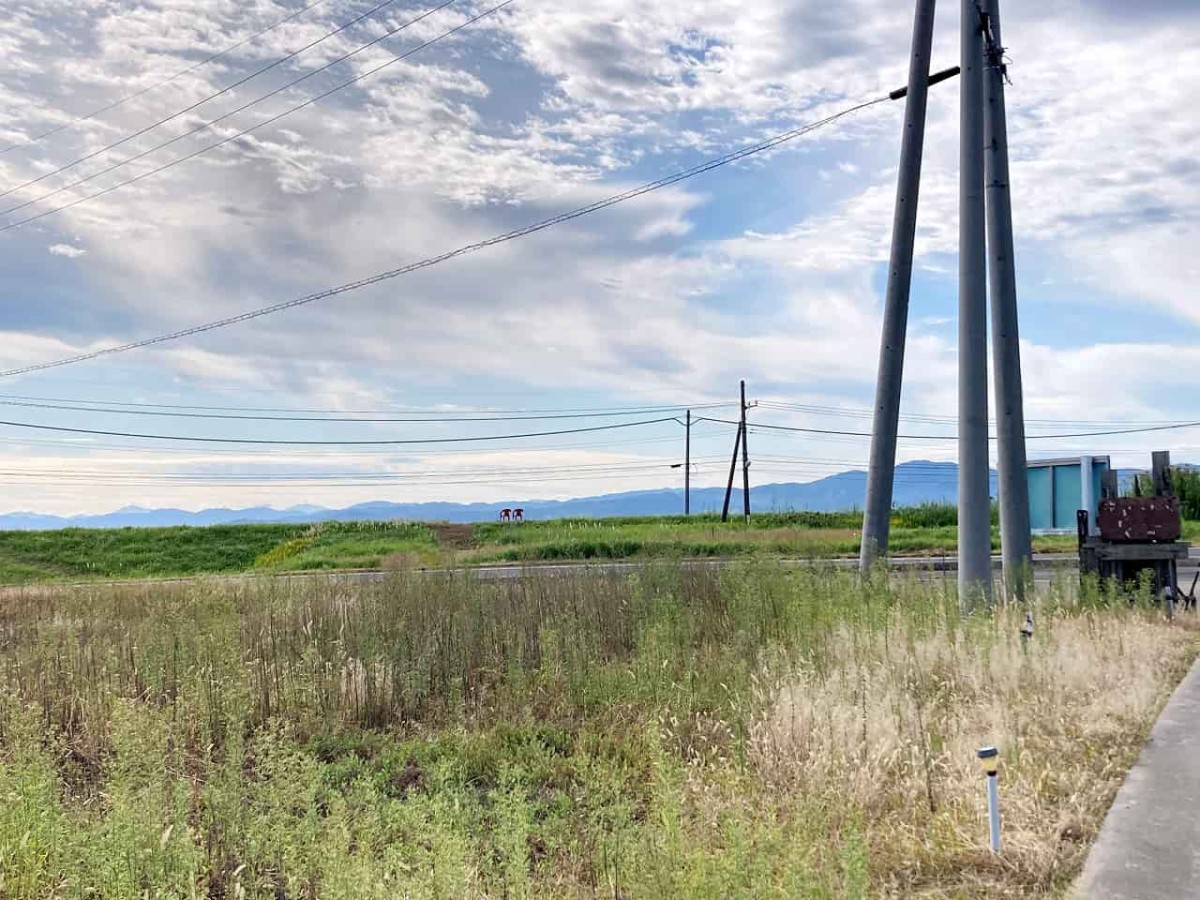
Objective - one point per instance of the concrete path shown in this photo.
(1149, 847)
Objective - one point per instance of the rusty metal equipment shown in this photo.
(1137, 535)
(1140, 520)
(1188, 600)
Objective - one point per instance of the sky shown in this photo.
(771, 270)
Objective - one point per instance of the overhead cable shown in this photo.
(245, 131)
(950, 437)
(365, 419)
(475, 482)
(165, 81)
(931, 419)
(656, 466)
(449, 411)
(317, 453)
(391, 32)
(464, 250)
(372, 443)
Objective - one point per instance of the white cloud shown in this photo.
(549, 107)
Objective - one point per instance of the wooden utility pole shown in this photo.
(745, 460)
(737, 445)
(687, 466)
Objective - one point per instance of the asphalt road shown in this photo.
(1047, 568)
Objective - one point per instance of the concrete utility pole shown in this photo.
(745, 459)
(737, 446)
(974, 497)
(687, 467)
(882, 472)
(1015, 539)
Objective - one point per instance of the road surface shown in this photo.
(1047, 568)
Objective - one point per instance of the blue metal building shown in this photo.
(1058, 488)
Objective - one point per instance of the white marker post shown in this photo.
(989, 758)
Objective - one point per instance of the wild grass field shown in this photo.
(130, 553)
(761, 731)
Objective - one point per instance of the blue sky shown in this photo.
(771, 270)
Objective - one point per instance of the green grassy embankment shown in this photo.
(79, 554)
(83, 553)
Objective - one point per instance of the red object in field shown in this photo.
(518, 515)
(1140, 520)
(506, 515)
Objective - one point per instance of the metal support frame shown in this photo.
(1054, 498)
(1160, 463)
(1087, 493)
(1109, 484)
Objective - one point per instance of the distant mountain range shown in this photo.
(916, 482)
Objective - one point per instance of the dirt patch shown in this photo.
(458, 537)
(410, 778)
(402, 562)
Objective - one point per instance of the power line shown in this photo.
(362, 419)
(583, 412)
(372, 479)
(915, 480)
(287, 112)
(1144, 430)
(949, 437)
(372, 443)
(862, 413)
(309, 453)
(651, 469)
(192, 68)
(464, 250)
(236, 478)
(391, 32)
(636, 463)
(474, 482)
(922, 468)
(774, 464)
(831, 431)
(438, 392)
(414, 411)
(236, 84)
(661, 466)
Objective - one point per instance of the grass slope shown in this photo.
(80, 554)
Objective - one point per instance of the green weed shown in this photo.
(755, 731)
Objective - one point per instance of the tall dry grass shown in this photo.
(890, 724)
(755, 731)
